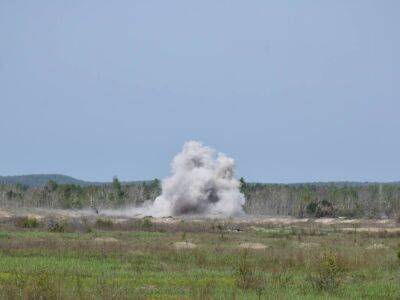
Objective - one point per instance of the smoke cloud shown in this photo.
(201, 183)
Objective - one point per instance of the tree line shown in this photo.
(74, 196)
(297, 200)
(371, 200)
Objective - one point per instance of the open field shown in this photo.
(65, 255)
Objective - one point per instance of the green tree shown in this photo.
(51, 186)
(119, 194)
(243, 185)
(156, 186)
(116, 184)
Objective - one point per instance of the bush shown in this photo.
(246, 276)
(71, 196)
(104, 223)
(27, 222)
(203, 289)
(328, 274)
(28, 286)
(321, 209)
(398, 218)
(42, 286)
(55, 226)
(146, 222)
(311, 208)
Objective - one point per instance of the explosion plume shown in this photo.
(201, 182)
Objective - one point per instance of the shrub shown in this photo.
(203, 289)
(184, 236)
(70, 195)
(219, 227)
(321, 209)
(104, 223)
(398, 218)
(27, 222)
(42, 286)
(328, 274)
(246, 276)
(146, 222)
(311, 208)
(29, 286)
(55, 226)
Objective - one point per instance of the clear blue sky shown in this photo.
(293, 90)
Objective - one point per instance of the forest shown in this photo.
(353, 200)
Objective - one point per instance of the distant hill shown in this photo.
(338, 184)
(36, 180)
(41, 179)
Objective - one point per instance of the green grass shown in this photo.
(37, 264)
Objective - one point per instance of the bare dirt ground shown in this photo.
(184, 245)
(256, 223)
(254, 246)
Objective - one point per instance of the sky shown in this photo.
(294, 91)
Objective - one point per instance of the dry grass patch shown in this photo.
(377, 247)
(254, 246)
(184, 245)
(308, 245)
(106, 240)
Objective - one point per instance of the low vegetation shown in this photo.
(56, 226)
(329, 272)
(26, 222)
(247, 276)
(89, 259)
(104, 223)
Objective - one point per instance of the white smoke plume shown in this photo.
(201, 183)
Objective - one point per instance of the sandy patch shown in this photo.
(166, 220)
(4, 214)
(148, 288)
(34, 216)
(308, 245)
(184, 245)
(377, 247)
(371, 229)
(106, 240)
(255, 246)
(331, 221)
(349, 221)
(260, 229)
(277, 220)
(325, 221)
(120, 220)
(384, 221)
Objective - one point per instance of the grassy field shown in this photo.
(208, 259)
